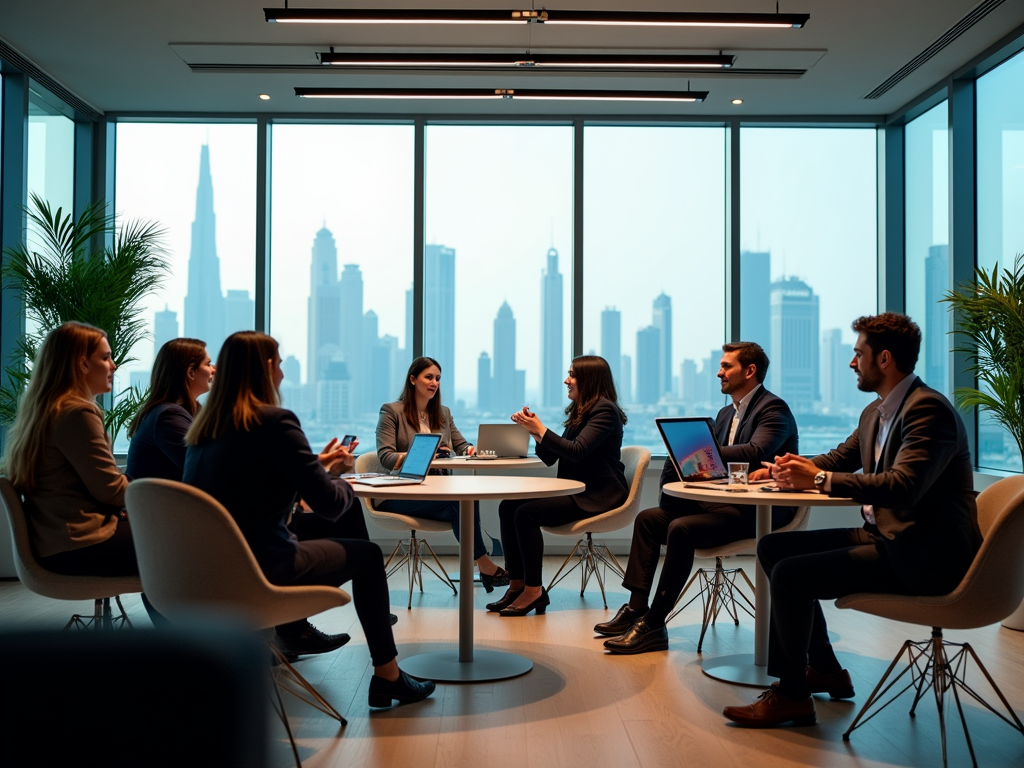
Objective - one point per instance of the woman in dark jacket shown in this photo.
(252, 456)
(587, 451)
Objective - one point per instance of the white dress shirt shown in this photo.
(887, 411)
(737, 417)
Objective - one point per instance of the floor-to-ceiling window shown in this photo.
(654, 267)
(498, 268)
(198, 182)
(1000, 214)
(51, 153)
(341, 266)
(926, 185)
(809, 267)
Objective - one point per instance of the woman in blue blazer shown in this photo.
(587, 451)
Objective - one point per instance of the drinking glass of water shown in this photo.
(738, 472)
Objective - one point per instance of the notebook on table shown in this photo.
(417, 462)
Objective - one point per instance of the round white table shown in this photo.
(465, 665)
(745, 668)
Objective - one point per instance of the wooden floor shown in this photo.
(581, 707)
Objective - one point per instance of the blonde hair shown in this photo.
(243, 383)
(57, 379)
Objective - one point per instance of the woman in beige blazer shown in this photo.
(58, 456)
(419, 409)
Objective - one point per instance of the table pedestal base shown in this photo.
(738, 668)
(445, 667)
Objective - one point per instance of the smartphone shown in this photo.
(347, 440)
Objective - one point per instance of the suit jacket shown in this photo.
(79, 491)
(157, 449)
(257, 476)
(922, 488)
(766, 430)
(395, 433)
(590, 454)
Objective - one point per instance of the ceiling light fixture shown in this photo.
(585, 18)
(499, 93)
(532, 61)
(265, 96)
(737, 101)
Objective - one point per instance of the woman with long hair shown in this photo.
(58, 457)
(182, 372)
(419, 409)
(252, 456)
(587, 451)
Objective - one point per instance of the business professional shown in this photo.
(587, 451)
(58, 457)
(756, 427)
(252, 456)
(419, 409)
(920, 530)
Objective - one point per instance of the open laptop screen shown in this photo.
(692, 448)
(421, 453)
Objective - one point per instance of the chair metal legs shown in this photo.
(716, 592)
(102, 617)
(410, 554)
(593, 558)
(931, 667)
(287, 678)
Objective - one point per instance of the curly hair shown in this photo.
(894, 332)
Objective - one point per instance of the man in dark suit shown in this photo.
(920, 533)
(756, 427)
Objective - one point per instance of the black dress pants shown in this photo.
(522, 537)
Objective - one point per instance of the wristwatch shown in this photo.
(819, 480)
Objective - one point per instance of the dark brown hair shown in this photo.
(243, 383)
(408, 396)
(169, 382)
(894, 332)
(750, 353)
(593, 381)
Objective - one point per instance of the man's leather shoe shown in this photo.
(772, 709)
(837, 685)
(622, 621)
(639, 638)
(309, 640)
(403, 690)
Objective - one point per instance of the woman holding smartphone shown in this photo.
(419, 409)
(587, 451)
(252, 456)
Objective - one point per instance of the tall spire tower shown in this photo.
(204, 302)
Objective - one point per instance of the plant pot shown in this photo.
(1015, 620)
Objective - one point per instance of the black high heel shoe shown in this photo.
(507, 599)
(540, 605)
(497, 579)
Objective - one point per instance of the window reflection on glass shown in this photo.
(809, 267)
(1000, 182)
(926, 173)
(341, 263)
(654, 280)
(197, 181)
(498, 269)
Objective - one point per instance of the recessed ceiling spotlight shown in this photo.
(737, 101)
(265, 96)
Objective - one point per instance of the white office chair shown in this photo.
(193, 557)
(99, 589)
(718, 588)
(591, 556)
(409, 551)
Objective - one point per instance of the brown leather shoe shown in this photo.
(837, 685)
(772, 709)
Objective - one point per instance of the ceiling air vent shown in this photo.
(20, 62)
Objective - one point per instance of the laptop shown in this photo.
(414, 469)
(693, 449)
(507, 441)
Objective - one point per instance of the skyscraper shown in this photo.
(794, 369)
(239, 312)
(688, 380)
(439, 305)
(755, 289)
(662, 320)
(165, 328)
(611, 341)
(352, 335)
(838, 382)
(323, 308)
(484, 398)
(508, 384)
(204, 302)
(936, 318)
(552, 361)
(648, 365)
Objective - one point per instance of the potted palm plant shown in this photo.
(92, 269)
(990, 325)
